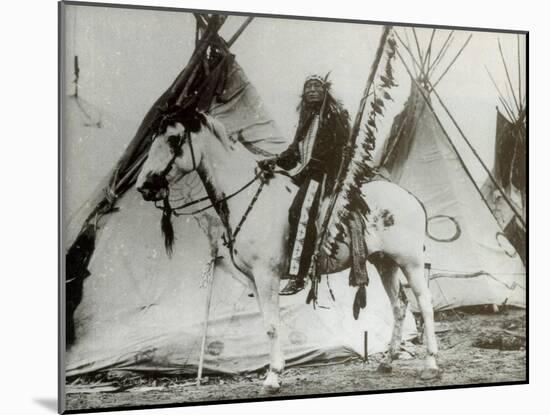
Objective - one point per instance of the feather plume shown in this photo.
(360, 171)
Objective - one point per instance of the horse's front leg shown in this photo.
(267, 286)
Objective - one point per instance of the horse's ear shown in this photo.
(194, 121)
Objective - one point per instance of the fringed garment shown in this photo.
(313, 159)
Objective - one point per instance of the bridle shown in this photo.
(183, 138)
(176, 210)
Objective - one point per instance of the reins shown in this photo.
(168, 211)
(213, 204)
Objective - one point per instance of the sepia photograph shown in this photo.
(258, 207)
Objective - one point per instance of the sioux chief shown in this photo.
(313, 160)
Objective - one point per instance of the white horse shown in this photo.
(260, 252)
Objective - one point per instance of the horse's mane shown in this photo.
(192, 120)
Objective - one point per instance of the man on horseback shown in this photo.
(313, 160)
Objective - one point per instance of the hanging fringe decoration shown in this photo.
(360, 301)
(360, 169)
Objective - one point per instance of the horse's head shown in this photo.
(175, 151)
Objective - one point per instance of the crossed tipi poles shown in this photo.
(422, 66)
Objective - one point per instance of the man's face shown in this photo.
(313, 92)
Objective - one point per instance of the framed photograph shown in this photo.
(258, 207)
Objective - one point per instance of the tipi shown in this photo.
(468, 258)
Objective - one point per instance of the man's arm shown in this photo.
(289, 158)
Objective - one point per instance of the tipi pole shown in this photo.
(508, 76)
(202, 25)
(452, 62)
(406, 37)
(407, 46)
(420, 57)
(501, 97)
(429, 104)
(239, 31)
(442, 53)
(197, 34)
(214, 25)
(408, 49)
(201, 21)
(427, 57)
(354, 131)
(434, 62)
(210, 286)
(510, 115)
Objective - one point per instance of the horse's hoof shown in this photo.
(384, 368)
(271, 388)
(271, 383)
(430, 374)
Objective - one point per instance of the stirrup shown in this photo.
(295, 285)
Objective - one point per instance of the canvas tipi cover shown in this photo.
(472, 262)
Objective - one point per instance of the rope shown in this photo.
(511, 286)
(469, 273)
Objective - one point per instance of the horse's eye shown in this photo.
(174, 142)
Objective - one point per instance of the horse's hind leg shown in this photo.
(267, 290)
(415, 275)
(388, 271)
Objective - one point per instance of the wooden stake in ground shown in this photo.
(365, 346)
(210, 285)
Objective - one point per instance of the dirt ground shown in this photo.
(475, 348)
